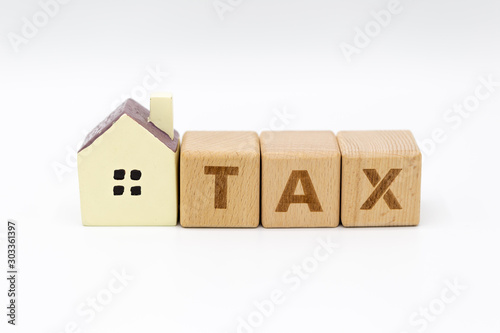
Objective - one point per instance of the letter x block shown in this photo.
(300, 179)
(220, 179)
(381, 174)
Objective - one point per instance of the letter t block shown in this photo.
(220, 179)
(381, 175)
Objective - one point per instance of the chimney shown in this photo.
(161, 114)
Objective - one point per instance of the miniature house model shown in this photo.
(127, 167)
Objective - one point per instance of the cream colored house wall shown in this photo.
(127, 145)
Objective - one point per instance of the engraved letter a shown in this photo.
(310, 197)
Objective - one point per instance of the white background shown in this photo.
(235, 71)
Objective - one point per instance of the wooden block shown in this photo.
(127, 168)
(381, 174)
(300, 179)
(220, 179)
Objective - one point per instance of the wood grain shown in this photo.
(381, 178)
(220, 179)
(300, 179)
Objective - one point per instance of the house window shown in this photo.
(135, 190)
(135, 175)
(119, 174)
(118, 190)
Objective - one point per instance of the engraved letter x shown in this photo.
(381, 189)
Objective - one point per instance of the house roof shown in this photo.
(138, 113)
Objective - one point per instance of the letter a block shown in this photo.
(381, 174)
(300, 179)
(220, 179)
